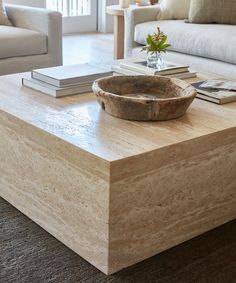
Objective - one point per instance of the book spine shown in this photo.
(134, 68)
(173, 71)
(209, 99)
(56, 92)
(45, 79)
(183, 76)
(45, 90)
(216, 96)
(150, 71)
(82, 80)
(125, 71)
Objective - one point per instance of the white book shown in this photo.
(185, 75)
(140, 65)
(63, 76)
(119, 70)
(56, 91)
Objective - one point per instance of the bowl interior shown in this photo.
(147, 87)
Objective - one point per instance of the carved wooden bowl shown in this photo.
(144, 98)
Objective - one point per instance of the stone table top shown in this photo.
(80, 121)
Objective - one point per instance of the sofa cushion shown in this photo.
(205, 40)
(17, 42)
(3, 16)
(213, 11)
(173, 9)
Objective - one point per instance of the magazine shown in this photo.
(218, 96)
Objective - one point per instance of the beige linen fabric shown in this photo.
(199, 40)
(173, 10)
(17, 42)
(213, 11)
(3, 16)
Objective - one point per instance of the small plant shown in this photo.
(156, 43)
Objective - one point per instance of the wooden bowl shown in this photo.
(144, 98)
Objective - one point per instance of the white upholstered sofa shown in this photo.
(34, 40)
(207, 47)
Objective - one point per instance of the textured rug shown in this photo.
(30, 254)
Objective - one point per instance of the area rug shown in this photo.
(28, 254)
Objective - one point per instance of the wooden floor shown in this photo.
(82, 48)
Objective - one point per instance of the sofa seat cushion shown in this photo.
(17, 42)
(212, 41)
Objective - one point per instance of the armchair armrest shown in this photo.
(132, 18)
(42, 20)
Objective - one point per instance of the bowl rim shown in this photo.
(97, 89)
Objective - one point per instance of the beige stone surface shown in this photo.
(61, 189)
(166, 197)
(115, 191)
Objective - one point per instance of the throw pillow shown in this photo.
(3, 16)
(213, 11)
(173, 10)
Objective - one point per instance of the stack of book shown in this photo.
(212, 91)
(65, 80)
(139, 67)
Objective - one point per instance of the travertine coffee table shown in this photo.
(114, 191)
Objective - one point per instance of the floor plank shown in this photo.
(87, 47)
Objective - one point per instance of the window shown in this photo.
(70, 8)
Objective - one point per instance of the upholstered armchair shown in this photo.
(34, 40)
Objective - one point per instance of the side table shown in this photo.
(119, 27)
(118, 14)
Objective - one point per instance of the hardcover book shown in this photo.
(56, 91)
(127, 72)
(63, 76)
(140, 66)
(218, 96)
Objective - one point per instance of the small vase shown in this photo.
(124, 4)
(155, 60)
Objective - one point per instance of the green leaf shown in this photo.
(156, 42)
